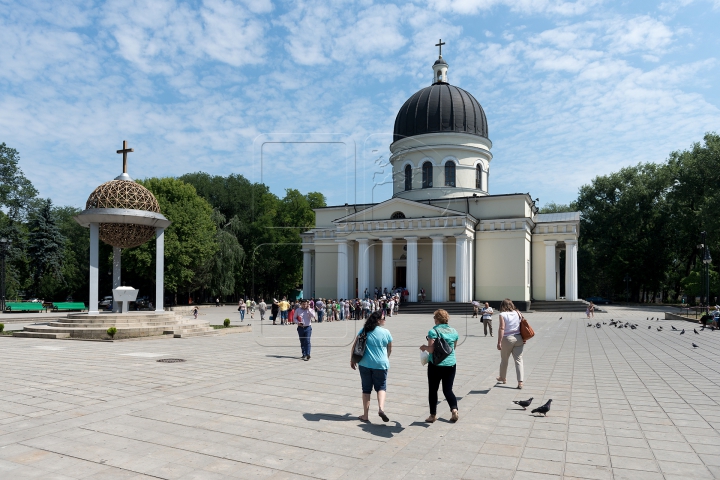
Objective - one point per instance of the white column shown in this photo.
(571, 281)
(159, 269)
(363, 267)
(412, 269)
(351, 270)
(117, 274)
(307, 273)
(94, 265)
(550, 282)
(387, 263)
(471, 269)
(438, 268)
(557, 273)
(461, 266)
(342, 268)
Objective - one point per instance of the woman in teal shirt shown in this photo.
(444, 371)
(374, 363)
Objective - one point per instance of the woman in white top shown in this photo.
(510, 341)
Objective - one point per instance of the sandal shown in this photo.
(383, 416)
(520, 385)
(365, 420)
(431, 419)
(455, 416)
(500, 380)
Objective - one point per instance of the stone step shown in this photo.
(26, 334)
(206, 333)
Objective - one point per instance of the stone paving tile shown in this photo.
(621, 409)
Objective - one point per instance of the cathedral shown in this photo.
(442, 232)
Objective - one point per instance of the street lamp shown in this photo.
(5, 244)
(707, 260)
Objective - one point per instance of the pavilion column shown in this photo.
(438, 268)
(94, 265)
(351, 270)
(363, 267)
(387, 263)
(412, 269)
(461, 268)
(307, 273)
(117, 274)
(470, 269)
(159, 269)
(342, 268)
(550, 275)
(571, 281)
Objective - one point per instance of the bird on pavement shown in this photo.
(560, 318)
(649, 327)
(695, 346)
(673, 327)
(696, 332)
(651, 319)
(659, 329)
(523, 403)
(543, 409)
(589, 324)
(597, 325)
(683, 332)
(633, 327)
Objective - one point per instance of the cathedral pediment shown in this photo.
(398, 209)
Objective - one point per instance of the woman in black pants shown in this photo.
(443, 371)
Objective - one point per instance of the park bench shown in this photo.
(58, 306)
(24, 306)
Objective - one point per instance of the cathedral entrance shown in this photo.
(452, 289)
(400, 276)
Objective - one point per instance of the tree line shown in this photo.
(229, 237)
(640, 228)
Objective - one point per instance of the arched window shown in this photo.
(397, 215)
(408, 177)
(427, 175)
(478, 178)
(450, 174)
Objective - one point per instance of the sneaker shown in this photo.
(303, 357)
(306, 357)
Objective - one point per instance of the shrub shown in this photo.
(112, 331)
(226, 323)
(2, 327)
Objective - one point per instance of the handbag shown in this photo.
(359, 349)
(441, 348)
(526, 331)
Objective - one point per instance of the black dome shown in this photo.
(440, 108)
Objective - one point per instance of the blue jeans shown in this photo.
(284, 316)
(372, 377)
(304, 333)
(242, 315)
(320, 315)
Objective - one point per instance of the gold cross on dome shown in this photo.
(125, 150)
(439, 45)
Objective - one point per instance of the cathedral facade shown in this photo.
(442, 230)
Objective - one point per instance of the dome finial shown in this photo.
(125, 150)
(440, 67)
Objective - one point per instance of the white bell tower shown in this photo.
(440, 67)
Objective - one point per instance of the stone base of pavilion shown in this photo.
(128, 325)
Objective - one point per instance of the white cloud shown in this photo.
(527, 7)
(639, 33)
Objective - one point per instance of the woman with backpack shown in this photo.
(374, 362)
(441, 343)
(510, 341)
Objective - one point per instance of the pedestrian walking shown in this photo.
(284, 306)
(442, 371)
(195, 312)
(510, 342)
(274, 309)
(486, 318)
(374, 364)
(241, 308)
(217, 302)
(304, 316)
(262, 307)
(422, 295)
(320, 307)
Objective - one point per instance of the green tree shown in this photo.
(76, 254)
(16, 191)
(227, 263)
(553, 207)
(189, 241)
(46, 247)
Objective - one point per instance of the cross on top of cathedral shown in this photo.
(125, 150)
(439, 45)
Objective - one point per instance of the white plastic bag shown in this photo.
(424, 358)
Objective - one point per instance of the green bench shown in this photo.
(24, 306)
(57, 306)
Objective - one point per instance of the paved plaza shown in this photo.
(627, 404)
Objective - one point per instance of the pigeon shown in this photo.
(633, 327)
(523, 403)
(673, 327)
(604, 323)
(696, 332)
(647, 318)
(543, 409)
(659, 329)
(683, 332)
(653, 318)
(589, 324)
(560, 318)
(597, 325)
(649, 327)
(695, 346)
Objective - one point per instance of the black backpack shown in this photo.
(441, 350)
(359, 349)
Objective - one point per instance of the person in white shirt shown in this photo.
(262, 306)
(486, 317)
(304, 316)
(510, 342)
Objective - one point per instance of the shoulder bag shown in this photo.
(526, 331)
(359, 349)
(441, 348)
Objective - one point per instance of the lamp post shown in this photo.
(627, 287)
(5, 244)
(707, 260)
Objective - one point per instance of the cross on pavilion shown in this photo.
(439, 45)
(125, 150)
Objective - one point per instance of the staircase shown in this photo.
(429, 307)
(560, 306)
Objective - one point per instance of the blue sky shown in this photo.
(309, 90)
